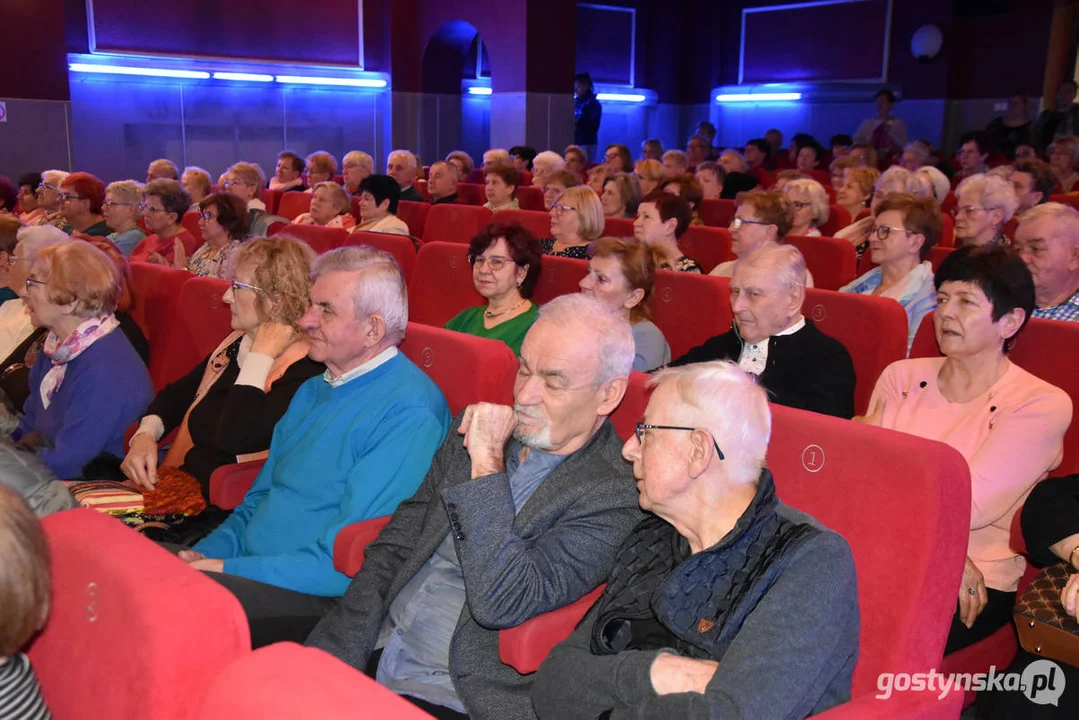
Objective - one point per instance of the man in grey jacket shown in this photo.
(522, 517)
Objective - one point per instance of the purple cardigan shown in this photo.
(106, 388)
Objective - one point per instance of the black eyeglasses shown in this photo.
(641, 427)
(737, 223)
(31, 281)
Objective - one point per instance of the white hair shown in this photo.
(743, 165)
(1065, 219)
(938, 180)
(497, 156)
(359, 158)
(54, 177)
(36, 237)
(818, 197)
(786, 260)
(729, 403)
(611, 332)
(922, 148)
(992, 192)
(410, 159)
(549, 159)
(900, 180)
(679, 156)
(382, 289)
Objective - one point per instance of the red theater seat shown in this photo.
(937, 255)
(271, 199)
(530, 197)
(293, 204)
(873, 329)
(832, 261)
(190, 222)
(476, 177)
(400, 246)
(132, 630)
(229, 483)
(321, 239)
(413, 214)
(525, 178)
(421, 187)
(838, 218)
(535, 222)
(709, 246)
(352, 540)
(156, 290)
(618, 227)
(472, 194)
(690, 308)
(558, 276)
(202, 320)
(290, 682)
(717, 213)
(441, 284)
(1069, 199)
(455, 223)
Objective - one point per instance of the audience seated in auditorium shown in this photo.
(544, 165)
(29, 210)
(330, 207)
(807, 205)
(560, 181)
(49, 199)
(163, 206)
(1033, 181)
(689, 189)
(501, 188)
(288, 173)
(575, 159)
(886, 133)
(894, 180)
(785, 176)
(649, 174)
(522, 517)
(223, 222)
(721, 551)
(1064, 159)
(797, 364)
(984, 203)
(15, 325)
(810, 155)
(621, 195)
(520, 156)
(939, 183)
(197, 183)
(697, 150)
(856, 189)
(88, 384)
(442, 183)
(462, 162)
(730, 160)
(162, 169)
(321, 167)
(916, 154)
(378, 206)
(357, 165)
(973, 154)
(246, 180)
(25, 589)
(82, 195)
(621, 273)
(596, 176)
(710, 177)
(1048, 241)
(576, 221)
(618, 159)
(121, 211)
(904, 229)
(675, 162)
(1009, 131)
(366, 429)
(506, 261)
(1062, 119)
(1007, 423)
(662, 217)
(760, 219)
(652, 150)
(226, 407)
(401, 165)
(9, 238)
(840, 145)
(757, 154)
(838, 169)
(865, 155)
(499, 156)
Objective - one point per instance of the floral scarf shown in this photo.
(61, 353)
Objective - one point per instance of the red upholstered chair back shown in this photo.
(690, 308)
(709, 246)
(467, 368)
(558, 276)
(631, 410)
(717, 213)
(132, 630)
(271, 199)
(1069, 199)
(321, 239)
(950, 201)
(293, 204)
(873, 329)
(525, 177)
(536, 222)
(618, 227)
(400, 246)
(831, 261)
(421, 187)
(441, 284)
(190, 221)
(476, 177)
(202, 321)
(286, 680)
(156, 291)
(1043, 348)
(903, 504)
(530, 197)
(471, 193)
(413, 214)
(937, 255)
(838, 218)
(455, 223)
(947, 234)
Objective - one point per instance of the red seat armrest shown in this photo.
(352, 540)
(526, 646)
(230, 483)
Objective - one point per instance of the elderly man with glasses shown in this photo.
(722, 603)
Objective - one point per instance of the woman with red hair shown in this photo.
(81, 198)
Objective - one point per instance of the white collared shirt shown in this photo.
(754, 356)
(385, 356)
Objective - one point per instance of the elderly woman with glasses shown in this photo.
(807, 204)
(82, 196)
(223, 221)
(321, 167)
(197, 183)
(225, 408)
(356, 166)
(895, 180)
(330, 206)
(576, 220)
(163, 207)
(88, 384)
(761, 219)
(49, 198)
(984, 203)
(557, 184)
(247, 181)
(121, 211)
(505, 262)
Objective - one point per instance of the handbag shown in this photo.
(1045, 628)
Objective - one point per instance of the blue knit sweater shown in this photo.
(338, 456)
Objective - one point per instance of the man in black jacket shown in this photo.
(800, 366)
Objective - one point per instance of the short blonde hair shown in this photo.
(79, 273)
(203, 178)
(281, 266)
(679, 156)
(649, 170)
(598, 173)
(341, 201)
(322, 161)
(864, 177)
(358, 157)
(25, 585)
(993, 193)
(126, 191)
(549, 159)
(251, 174)
(818, 197)
(589, 209)
(497, 156)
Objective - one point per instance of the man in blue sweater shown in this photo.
(353, 444)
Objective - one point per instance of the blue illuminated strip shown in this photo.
(245, 77)
(479, 91)
(621, 97)
(757, 97)
(147, 72)
(350, 82)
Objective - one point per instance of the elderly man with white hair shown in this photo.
(800, 366)
(353, 444)
(984, 203)
(521, 513)
(724, 602)
(15, 325)
(401, 166)
(1048, 241)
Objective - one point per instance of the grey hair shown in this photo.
(498, 156)
(410, 159)
(340, 198)
(900, 180)
(741, 158)
(680, 156)
(360, 158)
(127, 191)
(551, 160)
(1065, 217)
(992, 191)
(36, 237)
(382, 290)
(818, 197)
(941, 185)
(54, 177)
(615, 347)
(729, 403)
(922, 148)
(786, 260)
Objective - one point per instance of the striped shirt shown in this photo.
(20, 694)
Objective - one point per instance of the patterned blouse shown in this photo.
(573, 251)
(683, 264)
(205, 262)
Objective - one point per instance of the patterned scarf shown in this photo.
(61, 353)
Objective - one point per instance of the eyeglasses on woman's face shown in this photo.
(884, 231)
(237, 286)
(32, 281)
(738, 222)
(495, 262)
